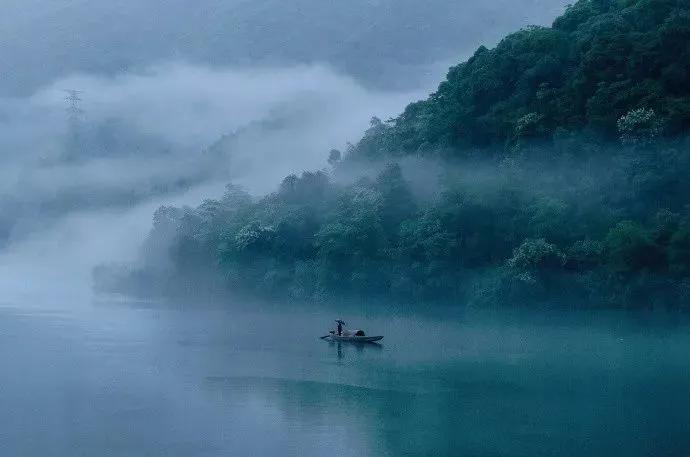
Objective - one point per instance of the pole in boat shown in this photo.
(340, 326)
(340, 323)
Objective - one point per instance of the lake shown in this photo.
(131, 379)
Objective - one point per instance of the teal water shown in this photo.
(122, 380)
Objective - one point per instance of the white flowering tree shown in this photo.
(640, 126)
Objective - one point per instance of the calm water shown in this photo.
(119, 380)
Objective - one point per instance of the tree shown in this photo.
(639, 127)
(584, 255)
(334, 157)
(255, 238)
(533, 267)
(397, 202)
(629, 248)
(679, 250)
(536, 255)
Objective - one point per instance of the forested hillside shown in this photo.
(601, 60)
(550, 169)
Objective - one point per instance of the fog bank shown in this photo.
(79, 186)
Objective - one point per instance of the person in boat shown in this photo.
(340, 326)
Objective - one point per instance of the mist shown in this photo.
(146, 138)
(383, 43)
(347, 228)
(163, 111)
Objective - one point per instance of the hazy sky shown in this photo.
(387, 43)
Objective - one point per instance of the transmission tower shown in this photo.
(73, 147)
(73, 100)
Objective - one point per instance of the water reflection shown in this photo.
(343, 347)
(122, 381)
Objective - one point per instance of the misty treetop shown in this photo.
(521, 232)
(550, 169)
(600, 62)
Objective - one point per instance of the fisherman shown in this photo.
(340, 327)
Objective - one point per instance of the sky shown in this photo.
(388, 44)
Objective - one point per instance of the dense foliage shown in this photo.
(600, 61)
(583, 197)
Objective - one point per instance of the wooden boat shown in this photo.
(352, 338)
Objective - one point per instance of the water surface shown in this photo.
(127, 380)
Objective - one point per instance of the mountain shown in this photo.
(510, 185)
(600, 61)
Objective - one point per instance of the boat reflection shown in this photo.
(359, 347)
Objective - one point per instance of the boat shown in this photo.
(353, 338)
(343, 335)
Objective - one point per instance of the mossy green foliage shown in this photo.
(564, 178)
(598, 62)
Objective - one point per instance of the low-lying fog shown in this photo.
(207, 93)
(83, 172)
(82, 178)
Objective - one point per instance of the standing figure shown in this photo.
(340, 326)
